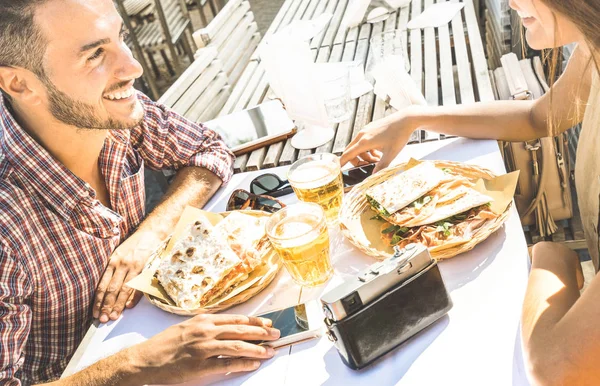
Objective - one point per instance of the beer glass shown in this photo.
(317, 178)
(299, 234)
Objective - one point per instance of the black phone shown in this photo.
(356, 175)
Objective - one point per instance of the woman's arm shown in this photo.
(559, 328)
(501, 120)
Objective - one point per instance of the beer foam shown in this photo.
(298, 231)
(314, 174)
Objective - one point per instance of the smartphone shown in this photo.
(297, 324)
(251, 129)
(356, 175)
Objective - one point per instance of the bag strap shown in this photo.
(519, 90)
(517, 84)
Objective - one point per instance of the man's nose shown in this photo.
(128, 67)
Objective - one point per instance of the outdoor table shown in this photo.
(448, 63)
(477, 343)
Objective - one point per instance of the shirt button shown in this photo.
(116, 231)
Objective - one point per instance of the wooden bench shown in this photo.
(201, 90)
(234, 34)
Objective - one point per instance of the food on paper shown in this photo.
(431, 206)
(208, 261)
(404, 188)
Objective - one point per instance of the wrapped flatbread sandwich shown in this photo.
(208, 262)
(404, 188)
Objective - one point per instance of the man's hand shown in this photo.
(204, 345)
(126, 262)
(380, 141)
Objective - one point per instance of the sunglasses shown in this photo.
(243, 200)
(270, 184)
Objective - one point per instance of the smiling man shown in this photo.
(74, 140)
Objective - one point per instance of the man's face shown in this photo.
(90, 71)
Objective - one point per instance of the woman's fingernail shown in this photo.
(274, 332)
(103, 318)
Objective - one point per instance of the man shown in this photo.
(75, 137)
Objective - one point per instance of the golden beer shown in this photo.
(299, 235)
(318, 179)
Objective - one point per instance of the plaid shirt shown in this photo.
(56, 237)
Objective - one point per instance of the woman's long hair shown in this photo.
(585, 14)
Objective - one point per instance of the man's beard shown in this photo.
(79, 114)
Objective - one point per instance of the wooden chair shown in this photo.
(172, 30)
(133, 42)
(201, 4)
(234, 34)
(201, 91)
(198, 94)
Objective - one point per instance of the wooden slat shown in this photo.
(189, 98)
(183, 83)
(319, 38)
(207, 96)
(238, 69)
(255, 161)
(480, 67)
(467, 94)
(239, 88)
(273, 155)
(239, 165)
(250, 88)
(365, 31)
(289, 154)
(215, 106)
(430, 65)
(337, 35)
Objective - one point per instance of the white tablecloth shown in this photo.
(477, 343)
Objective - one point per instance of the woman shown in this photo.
(560, 328)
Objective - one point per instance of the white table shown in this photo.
(477, 343)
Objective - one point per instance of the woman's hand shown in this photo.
(380, 141)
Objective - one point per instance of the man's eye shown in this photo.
(96, 55)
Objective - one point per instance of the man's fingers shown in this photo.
(124, 296)
(238, 348)
(134, 299)
(246, 332)
(101, 290)
(113, 290)
(222, 319)
(229, 365)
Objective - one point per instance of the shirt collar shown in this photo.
(48, 177)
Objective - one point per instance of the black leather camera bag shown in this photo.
(390, 320)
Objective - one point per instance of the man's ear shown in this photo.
(20, 84)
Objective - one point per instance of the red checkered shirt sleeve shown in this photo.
(166, 140)
(15, 316)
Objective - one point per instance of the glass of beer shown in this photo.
(317, 178)
(299, 234)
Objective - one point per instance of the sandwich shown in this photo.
(209, 262)
(430, 206)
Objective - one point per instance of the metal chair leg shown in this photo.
(172, 71)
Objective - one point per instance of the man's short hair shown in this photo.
(22, 44)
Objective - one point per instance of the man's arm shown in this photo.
(559, 328)
(191, 186)
(15, 315)
(184, 352)
(165, 140)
